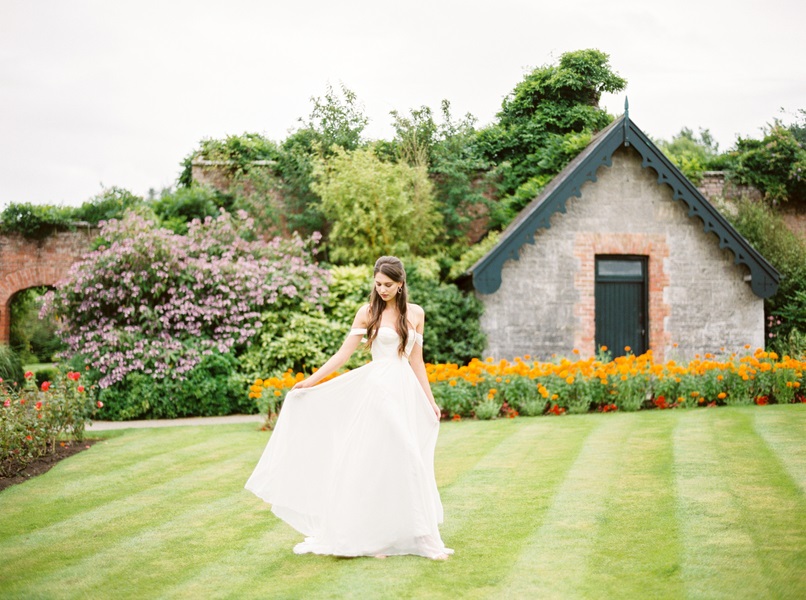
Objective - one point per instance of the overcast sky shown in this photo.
(117, 92)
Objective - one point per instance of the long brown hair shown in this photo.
(393, 269)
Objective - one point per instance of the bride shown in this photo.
(350, 463)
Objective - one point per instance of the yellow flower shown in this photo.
(277, 393)
(721, 395)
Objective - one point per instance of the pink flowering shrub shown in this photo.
(155, 303)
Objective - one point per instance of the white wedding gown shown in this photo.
(350, 463)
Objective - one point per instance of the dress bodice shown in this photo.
(386, 342)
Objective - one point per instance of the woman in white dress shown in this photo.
(350, 463)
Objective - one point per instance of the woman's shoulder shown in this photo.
(362, 315)
(415, 309)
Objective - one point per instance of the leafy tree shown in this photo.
(33, 338)
(177, 208)
(775, 164)
(111, 203)
(692, 154)
(544, 122)
(336, 121)
(376, 207)
(447, 150)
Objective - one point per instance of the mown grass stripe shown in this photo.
(100, 526)
(637, 550)
(782, 431)
(87, 480)
(740, 514)
(498, 505)
(143, 559)
(554, 562)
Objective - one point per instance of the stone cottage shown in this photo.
(620, 249)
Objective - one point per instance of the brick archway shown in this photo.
(26, 263)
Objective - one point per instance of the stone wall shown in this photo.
(714, 186)
(26, 263)
(698, 299)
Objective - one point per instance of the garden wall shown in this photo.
(27, 263)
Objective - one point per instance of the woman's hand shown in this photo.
(437, 410)
(302, 384)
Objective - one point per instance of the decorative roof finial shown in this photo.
(625, 122)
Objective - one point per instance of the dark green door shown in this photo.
(621, 303)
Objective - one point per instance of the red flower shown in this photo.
(28, 437)
(101, 404)
(7, 403)
(762, 400)
(80, 388)
(38, 406)
(455, 417)
(45, 386)
(28, 374)
(74, 375)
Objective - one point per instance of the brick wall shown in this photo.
(715, 186)
(28, 263)
(698, 299)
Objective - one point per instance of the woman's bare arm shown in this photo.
(335, 362)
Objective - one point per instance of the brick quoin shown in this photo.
(26, 263)
(653, 246)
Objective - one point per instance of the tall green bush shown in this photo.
(10, 366)
(766, 230)
(212, 387)
(376, 208)
(775, 164)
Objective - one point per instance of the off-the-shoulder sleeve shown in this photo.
(418, 338)
(357, 332)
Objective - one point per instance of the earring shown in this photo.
(400, 290)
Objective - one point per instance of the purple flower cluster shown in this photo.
(152, 301)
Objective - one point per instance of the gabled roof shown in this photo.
(599, 152)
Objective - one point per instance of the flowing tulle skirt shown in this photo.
(350, 465)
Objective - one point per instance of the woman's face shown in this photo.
(386, 287)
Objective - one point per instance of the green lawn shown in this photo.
(705, 503)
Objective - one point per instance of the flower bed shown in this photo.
(34, 419)
(489, 389)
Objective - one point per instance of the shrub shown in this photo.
(33, 417)
(213, 387)
(10, 366)
(769, 234)
(452, 327)
(774, 164)
(154, 303)
(111, 203)
(488, 409)
(33, 220)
